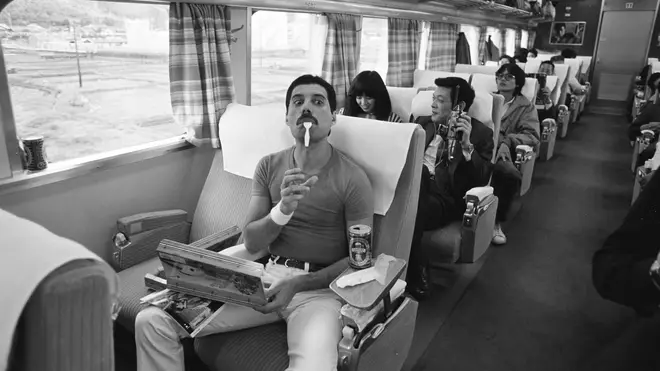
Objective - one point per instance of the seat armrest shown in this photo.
(548, 126)
(525, 160)
(478, 223)
(143, 222)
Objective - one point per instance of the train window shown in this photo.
(424, 45)
(524, 40)
(511, 42)
(284, 46)
(472, 36)
(88, 76)
(373, 45)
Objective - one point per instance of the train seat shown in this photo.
(472, 69)
(426, 78)
(222, 203)
(401, 99)
(69, 293)
(486, 82)
(532, 65)
(468, 239)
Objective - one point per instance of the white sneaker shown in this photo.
(499, 238)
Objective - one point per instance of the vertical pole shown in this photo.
(75, 40)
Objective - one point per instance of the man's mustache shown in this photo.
(306, 117)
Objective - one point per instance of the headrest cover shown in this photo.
(426, 78)
(247, 134)
(532, 65)
(402, 101)
(421, 104)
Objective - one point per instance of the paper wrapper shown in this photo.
(378, 272)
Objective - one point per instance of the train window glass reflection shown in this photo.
(510, 42)
(373, 45)
(524, 40)
(113, 92)
(285, 45)
(423, 45)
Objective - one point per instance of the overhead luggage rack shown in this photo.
(492, 6)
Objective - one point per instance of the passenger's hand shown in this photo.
(294, 188)
(464, 125)
(504, 153)
(545, 91)
(279, 295)
(650, 126)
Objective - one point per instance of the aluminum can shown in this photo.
(359, 246)
(35, 153)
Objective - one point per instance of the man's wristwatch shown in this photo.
(655, 273)
(468, 151)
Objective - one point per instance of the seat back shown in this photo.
(484, 82)
(471, 69)
(532, 65)
(561, 71)
(586, 63)
(59, 302)
(426, 78)
(491, 63)
(575, 66)
(225, 196)
(530, 88)
(401, 101)
(655, 67)
(521, 65)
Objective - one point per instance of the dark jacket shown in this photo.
(466, 175)
(492, 51)
(620, 269)
(462, 50)
(650, 113)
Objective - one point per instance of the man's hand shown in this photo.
(654, 126)
(280, 295)
(294, 188)
(545, 91)
(464, 125)
(504, 153)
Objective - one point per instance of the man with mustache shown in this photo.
(445, 180)
(303, 201)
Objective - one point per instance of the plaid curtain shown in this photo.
(404, 41)
(519, 39)
(483, 37)
(441, 53)
(531, 39)
(201, 84)
(503, 42)
(340, 62)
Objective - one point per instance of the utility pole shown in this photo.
(75, 41)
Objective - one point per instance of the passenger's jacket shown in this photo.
(620, 269)
(650, 113)
(466, 175)
(520, 125)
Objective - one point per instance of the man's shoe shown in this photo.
(499, 238)
(419, 285)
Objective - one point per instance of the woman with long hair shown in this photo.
(368, 98)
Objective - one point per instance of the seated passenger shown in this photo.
(521, 55)
(303, 200)
(545, 107)
(445, 180)
(533, 53)
(519, 125)
(625, 269)
(506, 59)
(368, 98)
(648, 119)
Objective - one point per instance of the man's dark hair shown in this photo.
(568, 53)
(653, 82)
(370, 84)
(465, 94)
(517, 72)
(534, 51)
(550, 63)
(508, 58)
(312, 80)
(557, 58)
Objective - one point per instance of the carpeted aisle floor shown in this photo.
(532, 306)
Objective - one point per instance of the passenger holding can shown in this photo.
(304, 199)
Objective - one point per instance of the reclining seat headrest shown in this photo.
(401, 101)
(247, 134)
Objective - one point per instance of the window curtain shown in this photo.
(502, 44)
(340, 61)
(201, 84)
(404, 42)
(519, 39)
(524, 41)
(531, 39)
(441, 52)
(317, 40)
(483, 38)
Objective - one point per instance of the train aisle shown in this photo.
(532, 306)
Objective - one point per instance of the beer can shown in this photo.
(35, 153)
(359, 246)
